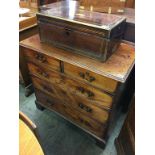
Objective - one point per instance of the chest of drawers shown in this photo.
(84, 91)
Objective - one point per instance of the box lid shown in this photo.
(73, 12)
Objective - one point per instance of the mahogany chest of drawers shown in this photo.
(84, 91)
(93, 34)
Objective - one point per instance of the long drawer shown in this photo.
(71, 114)
(42, 59)
(80, 89)
(96, 80)
(82, 105)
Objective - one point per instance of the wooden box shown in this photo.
(92, 34)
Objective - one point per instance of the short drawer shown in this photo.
(82, 105)
(70, 85)
(71, 114)
(99, 81)
(42, 59)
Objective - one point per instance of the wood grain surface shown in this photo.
(28, 143)
(68, 84)
(26, 23)
(70, 113)
(90, 77)
(42, 59)
(117, 67)
(85, 106)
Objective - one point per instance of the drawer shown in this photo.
(68, 37)
(44, 86)
(42, 59)
(90, 109)
(70, 114)
(82, 105)
(80, 89)
(96, 80)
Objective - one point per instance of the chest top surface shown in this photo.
(117, 67)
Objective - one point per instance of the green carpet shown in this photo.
(60, 137)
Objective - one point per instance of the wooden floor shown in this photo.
(58, 136)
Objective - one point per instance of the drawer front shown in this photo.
(88, 108)
(84, 106)
(67, 37)
(44, 86)
(71, 114)
(73, 86)
(42, 59)
(91, 78)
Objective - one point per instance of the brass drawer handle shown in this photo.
(37, 56)
(43, 73)
(83, 91)
(90, 94)
(43, 60)
(81, 105)
(91, 79)
(84, 107)
(49, 102)
(88, 109)
(82, 75)
(47, 89)
(84, 122)
(40, 57)
(87, 76)
(67, 31)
